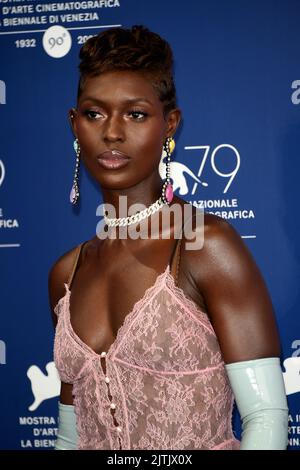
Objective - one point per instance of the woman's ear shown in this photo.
(173, 120)
(72, 114)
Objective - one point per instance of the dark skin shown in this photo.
(121, 111)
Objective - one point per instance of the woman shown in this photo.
(154, 340)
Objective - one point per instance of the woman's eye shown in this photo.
(92, 114)
(138, 115)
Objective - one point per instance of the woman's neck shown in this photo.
(121, 200)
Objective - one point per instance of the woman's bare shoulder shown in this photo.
(235, 294)
(222, 247)
(59, 274)
(61, 269)
(215, 229)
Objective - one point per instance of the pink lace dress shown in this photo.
(163, 377)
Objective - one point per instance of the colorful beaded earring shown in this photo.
(167, 189)
(74, 194)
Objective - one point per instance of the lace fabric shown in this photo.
(163, 376)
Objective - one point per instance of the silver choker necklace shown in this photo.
(133, 219)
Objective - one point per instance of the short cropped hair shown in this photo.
(136, 49)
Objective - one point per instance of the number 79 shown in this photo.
(206, 149)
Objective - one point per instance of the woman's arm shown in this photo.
(67, 432)
(241, 313)
(259, 392)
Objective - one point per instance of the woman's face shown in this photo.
(120, 111)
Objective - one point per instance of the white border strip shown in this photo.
(81, 27)
(192, 147)
(10, 245)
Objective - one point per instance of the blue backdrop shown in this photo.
(238, 81)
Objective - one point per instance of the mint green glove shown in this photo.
(67, 433)
(259, 392)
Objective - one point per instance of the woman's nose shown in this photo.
(113, 129)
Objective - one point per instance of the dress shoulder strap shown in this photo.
(175, 259)
(77, 256)
(174, 265)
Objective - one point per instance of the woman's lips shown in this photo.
(113, 159)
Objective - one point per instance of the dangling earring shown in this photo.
(74, 194)
(167, 189)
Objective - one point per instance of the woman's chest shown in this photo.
(164, 332)
(97, 310)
